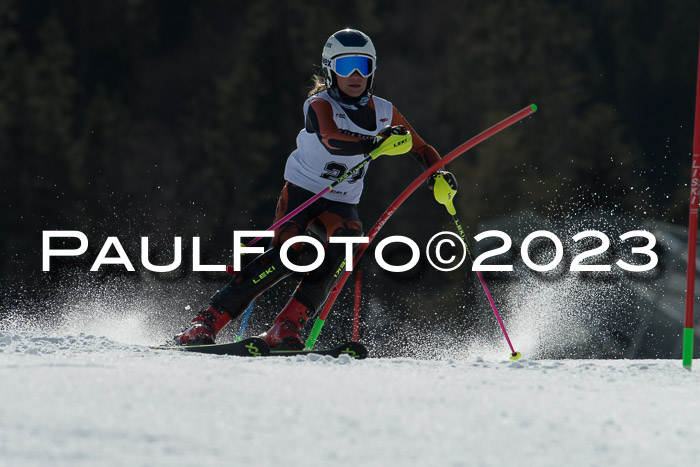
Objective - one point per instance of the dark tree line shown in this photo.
(173, 118)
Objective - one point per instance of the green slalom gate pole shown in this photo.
(315, 331)
(689, 329)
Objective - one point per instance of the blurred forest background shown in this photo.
(162, 118)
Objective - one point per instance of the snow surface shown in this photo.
(87, 400)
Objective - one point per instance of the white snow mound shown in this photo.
(83, 400)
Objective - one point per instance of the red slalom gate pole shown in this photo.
(455, 153)
(358, 302)
(688, 330)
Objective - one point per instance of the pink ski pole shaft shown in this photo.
(445, 194)
(495, 312)
(311, 200)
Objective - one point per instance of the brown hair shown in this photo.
(319, 84)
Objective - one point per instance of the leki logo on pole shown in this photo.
(263, 275)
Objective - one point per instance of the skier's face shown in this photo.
(353, 85)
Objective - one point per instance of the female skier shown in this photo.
(344, 123)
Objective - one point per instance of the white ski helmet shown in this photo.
(347, 51)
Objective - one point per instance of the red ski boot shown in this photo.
(284, 333)
(204, 327)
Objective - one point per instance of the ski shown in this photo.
(250, 347)
(352, 349)
(256, 347)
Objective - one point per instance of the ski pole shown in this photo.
(444, 194)
(452, 155)
(307, 203)
(244, 321)
(246, 315)
(313, 199)
(393, 145)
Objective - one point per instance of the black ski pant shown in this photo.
(324, 218)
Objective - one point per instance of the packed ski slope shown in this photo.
(86, 400)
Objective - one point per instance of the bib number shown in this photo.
(335, 170)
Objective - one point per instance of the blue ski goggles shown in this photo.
(347, 64)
